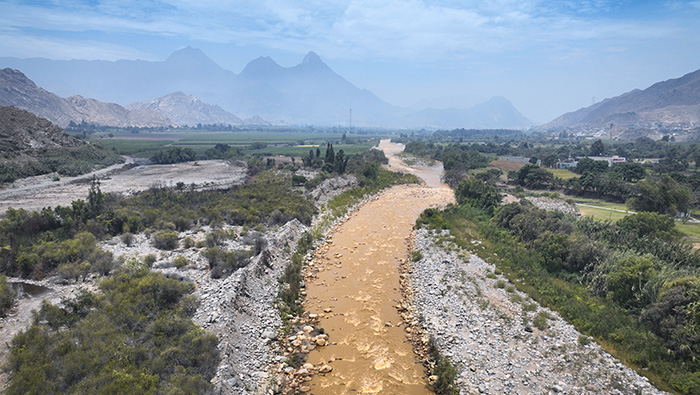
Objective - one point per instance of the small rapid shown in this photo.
(355, 289)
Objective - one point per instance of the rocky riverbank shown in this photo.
(499, 339)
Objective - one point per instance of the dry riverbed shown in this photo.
(35, 193)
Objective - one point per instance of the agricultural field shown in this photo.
(271, 143)
(564, 174)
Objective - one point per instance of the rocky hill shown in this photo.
(669, 105)
(19, 91)
(21, 130)
(187, 110)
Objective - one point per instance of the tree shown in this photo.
(479, 194)
(629, 171)
(666, 196)
(588, 165)
(533, 176)
(597, 148)
(330, 154)
(95, 199)
(654, 224)
(341, 162)
(550, 160)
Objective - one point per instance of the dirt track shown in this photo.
(38, 192)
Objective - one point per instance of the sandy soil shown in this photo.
(38, 192)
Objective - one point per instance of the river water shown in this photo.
(356, 290)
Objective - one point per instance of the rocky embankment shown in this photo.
(550, 204)
(500, 340)
(241, 311)
(240, 308)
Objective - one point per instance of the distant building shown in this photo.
(610, 159)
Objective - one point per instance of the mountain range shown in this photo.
(672, 105)
(19, 91)
(308, 93)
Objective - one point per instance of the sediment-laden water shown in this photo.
(356, 290)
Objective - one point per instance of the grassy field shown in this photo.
(601, 214)
(563, 173)
(690, 230)
(599, 203)
(507, 165)
(135, 147)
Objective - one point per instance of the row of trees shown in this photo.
(68, 162)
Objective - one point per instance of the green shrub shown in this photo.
(150, 259)
(416, 255)
(133, 337)
(165, 240)
(188, 242)
(540, 320)
(180, 261)
(128, 239)
(7, 296)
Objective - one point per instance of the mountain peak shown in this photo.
(311, 58)
(191, 57)
(263, 66)
(313, 61)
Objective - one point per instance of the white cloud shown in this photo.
(409, 30)
(22, 46)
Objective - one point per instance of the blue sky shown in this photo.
(548, 57)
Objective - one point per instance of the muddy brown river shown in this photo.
(356, 291)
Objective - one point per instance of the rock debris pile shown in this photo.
(550, 204)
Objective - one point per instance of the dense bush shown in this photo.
(625, 284)
(7, 296)
(133, 337)
(64, 161)
(174, 155)
(478, 194)
(165, 240)
(223, 262)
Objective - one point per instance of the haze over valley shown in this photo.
(416, 197)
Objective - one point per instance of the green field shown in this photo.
(134, 147)
(278, 143)
(563, 173)
(601, 214)
(690, 230)
(286, 150)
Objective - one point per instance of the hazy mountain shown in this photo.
(670, 104)
(21, 130)
(497, 113)
(308, 93)
(19, 91)
(187, 110)
(126, 81)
